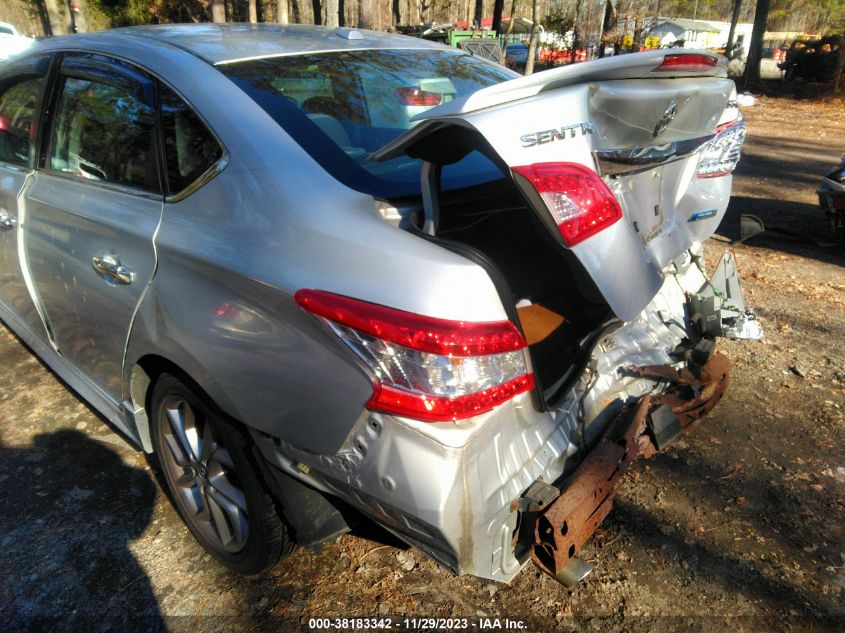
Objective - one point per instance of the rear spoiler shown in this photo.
(659, 64)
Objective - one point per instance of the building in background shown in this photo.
(698, 33)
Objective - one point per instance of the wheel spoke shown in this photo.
(203, 515)
(176, 449)
(236, 519)
(193, 500)
(185, 480)
(221, 518)
(222, 456)
(222, 485)
(190, 426)
(208, 444)
(176, 417)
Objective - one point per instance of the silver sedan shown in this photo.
(321, 270)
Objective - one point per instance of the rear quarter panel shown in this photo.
(232, 254)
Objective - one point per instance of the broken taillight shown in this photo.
(416, 97)
(422, 367)
(720, 155)
(579, 201)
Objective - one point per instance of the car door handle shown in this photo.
(7, 222)
(110, 269)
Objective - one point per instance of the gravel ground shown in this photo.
(740, 526)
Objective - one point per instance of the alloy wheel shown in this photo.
(202, 476)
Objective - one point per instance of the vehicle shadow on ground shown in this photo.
(770, 511)
(791, 227)
(793, 163)
(70, 508)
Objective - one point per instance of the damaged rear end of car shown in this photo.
(489, 443)
(613, 174)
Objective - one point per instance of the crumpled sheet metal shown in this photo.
(587, 497)
(695, 394)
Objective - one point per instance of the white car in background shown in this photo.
(11, 41)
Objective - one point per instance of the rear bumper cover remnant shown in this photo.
(586, 497)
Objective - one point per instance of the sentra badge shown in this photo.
(557, 134)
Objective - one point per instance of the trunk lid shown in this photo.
(636, 120)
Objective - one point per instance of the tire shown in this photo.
(214, 481)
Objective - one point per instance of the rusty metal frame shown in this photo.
(586, 498)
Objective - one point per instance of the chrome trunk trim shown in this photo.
(617, 162)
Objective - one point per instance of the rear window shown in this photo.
(342, 106)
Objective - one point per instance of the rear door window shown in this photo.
(104, 130)
(190, 149)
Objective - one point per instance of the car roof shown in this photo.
(226, 43)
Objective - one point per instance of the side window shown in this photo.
(104, 132)
(189, 148)
(18, 103)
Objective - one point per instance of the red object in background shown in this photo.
(73, 7)
(485, 22)
(561, 56)
(411, 96)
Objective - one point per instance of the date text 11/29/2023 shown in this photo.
(402, 623)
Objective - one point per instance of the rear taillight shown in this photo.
(426, 368)
(720, 155)
(687, 63)
(579, 201)
(417, 97)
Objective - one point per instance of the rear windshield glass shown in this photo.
(342, 106)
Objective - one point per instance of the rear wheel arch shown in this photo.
(143, 376)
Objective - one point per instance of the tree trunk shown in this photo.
(331, 13)
(218, 11)
(79, 17)
(297, 12)
(510, 27)
(479, 14)
(732, 32)
(576, 36)
(282, 11)
(56, 17)
(44, 17)
(751, 79)
(840, 67)
(253, 11)
(318, 11)
(341, 12)
(638, 34)
(532, 43)
(498, 9)
(366, 14)
(606, 25)
(397, 13)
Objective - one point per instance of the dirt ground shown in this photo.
(740, 526)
